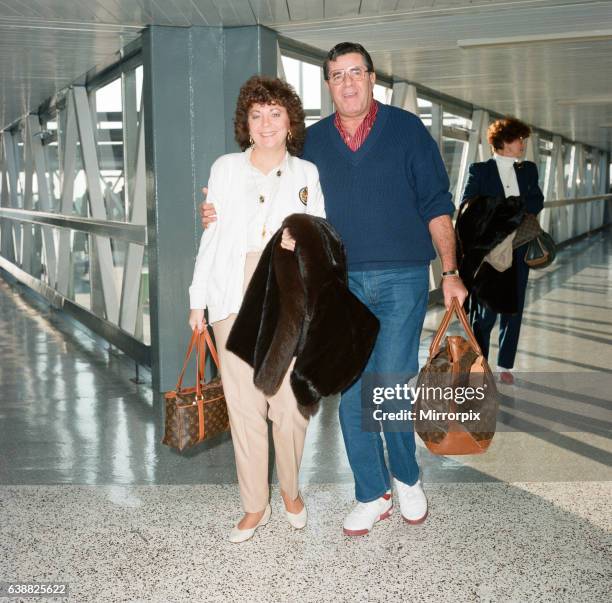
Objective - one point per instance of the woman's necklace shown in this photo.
(267, 201)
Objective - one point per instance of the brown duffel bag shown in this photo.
(194, 414)
(453, 369)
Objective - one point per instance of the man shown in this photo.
(386, 192)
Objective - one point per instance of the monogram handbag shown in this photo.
(541, 249)
(456, 397)
(527, 230)
(194, 414)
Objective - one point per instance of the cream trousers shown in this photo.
(248, 413)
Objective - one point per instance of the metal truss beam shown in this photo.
(92, 172)
(44, 196)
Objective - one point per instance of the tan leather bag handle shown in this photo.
(204, 340)
(192, 342)
(199, 341)
(457, 309)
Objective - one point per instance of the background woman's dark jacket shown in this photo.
(483, 179)
(482, 224)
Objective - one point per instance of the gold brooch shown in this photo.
(304, 195)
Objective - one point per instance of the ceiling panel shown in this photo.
(46, 44)
(527, 79)
(235, 12)
(270, 11)
(299, 10)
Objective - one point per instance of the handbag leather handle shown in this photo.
(457, 309)
(199, 341)
(192, 342)
(205, 340)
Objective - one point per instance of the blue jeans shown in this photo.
(398, 298)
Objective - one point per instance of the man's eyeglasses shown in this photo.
(357, 74)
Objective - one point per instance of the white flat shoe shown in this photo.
(298, 520)
(237, 535)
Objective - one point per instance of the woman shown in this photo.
(253, 192)
(500, 177)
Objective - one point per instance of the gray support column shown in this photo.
(130, 137)
(4, 201)
(9, 194)
(168, 107)
(280, 70)
(436, 124)
(31, 256)
(191, 81)
(327, 105)
(603, 186)
(404, 96)
(65, 265)
(44, 196)
(470, 153)
(130, 310)
(248, 51)
(485, 149)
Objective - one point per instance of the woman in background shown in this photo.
(505, 175)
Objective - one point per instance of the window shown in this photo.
(306, 78)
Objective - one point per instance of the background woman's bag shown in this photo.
(194, 414)
(454, 368)
(541, 250)
(527, 230)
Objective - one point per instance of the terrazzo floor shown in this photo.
(89, 496)
(482, 542)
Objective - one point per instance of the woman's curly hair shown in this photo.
(270, 91)
(508, 130)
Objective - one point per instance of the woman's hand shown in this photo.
(287, 241)
(196, 320)
(208, 213)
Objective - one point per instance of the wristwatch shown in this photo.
(450, 273)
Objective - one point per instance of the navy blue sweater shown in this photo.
(381, 198)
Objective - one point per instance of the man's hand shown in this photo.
(287, 241)
(452, 286)
(196, 320)
(443, 235)
(208, 214)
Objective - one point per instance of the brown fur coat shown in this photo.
(298, 304)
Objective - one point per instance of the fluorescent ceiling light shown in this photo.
(566, 36)
(586, 100)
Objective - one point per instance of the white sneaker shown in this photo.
(413, 502)
(237, 535)
(363, 517)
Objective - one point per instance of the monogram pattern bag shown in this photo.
(527, 231)
(451, 368)
(195, 414)
(541, 250)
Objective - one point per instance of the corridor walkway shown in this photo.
(88, 495)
